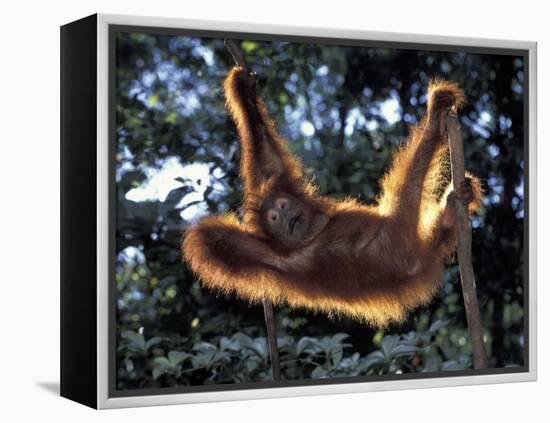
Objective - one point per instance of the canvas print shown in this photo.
(289, 211)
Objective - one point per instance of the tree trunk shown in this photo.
(464, 250)
(271, 325)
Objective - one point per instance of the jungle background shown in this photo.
(343, 110)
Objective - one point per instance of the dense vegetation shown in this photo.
(343, 110)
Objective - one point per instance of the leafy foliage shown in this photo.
(242, 358)
(343, 110)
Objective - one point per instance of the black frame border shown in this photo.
(78, 211)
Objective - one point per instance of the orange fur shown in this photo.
(371, 262)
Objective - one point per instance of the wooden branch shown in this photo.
(464, 250)
(271, 325)
(269, 312)
(235, 52)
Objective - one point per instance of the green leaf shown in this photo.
(221, 356)
(302, 344)
(465, 361)
(376, 357)
(136, 340)
(438, 324)
(204, 359)
(336, 356)
(339, 337)
(176, 357)
(260, 346)
(153, 341)
(171, 117)
(388, 344)
(153, 100)
(204, 346)
(229, 344)
(162, 362)
(432, 364)
(283, 341)
(318, 372)
(377, 338)
(249, 46)
(157, 372)
(243, 339)
(402, 350)
(357, 177)
(251, 365)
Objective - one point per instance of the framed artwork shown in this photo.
(254, 211)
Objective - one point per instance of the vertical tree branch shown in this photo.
(464, 250)
(271, 325)
(235, 52)
(269, 312)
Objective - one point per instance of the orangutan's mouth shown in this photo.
(293, 222)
